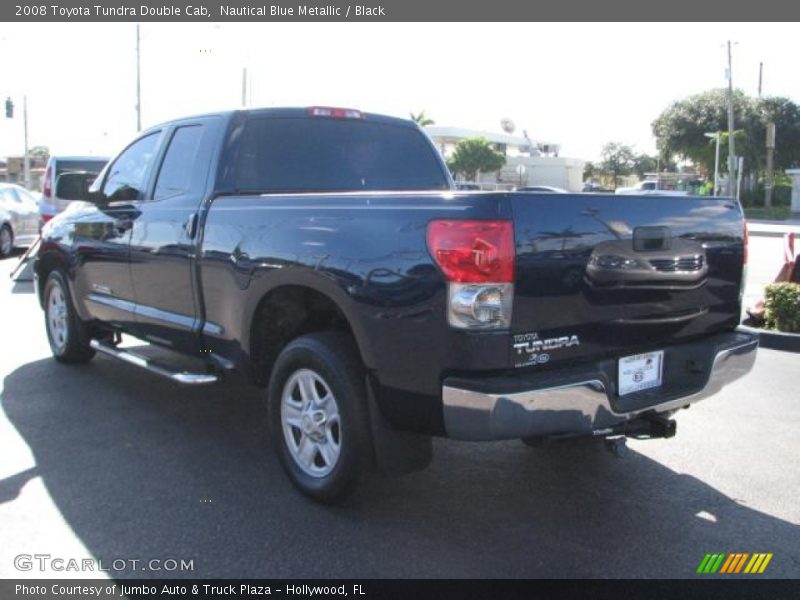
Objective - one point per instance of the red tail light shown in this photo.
(473, 251)
(46, 218)
(746, 242)
(334, 113)
(47, 187)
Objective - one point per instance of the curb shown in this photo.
(775, 340)
(764, 233)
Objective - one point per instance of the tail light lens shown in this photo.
(477, 258)
(47, 187)
(746, 241)
(473, 251)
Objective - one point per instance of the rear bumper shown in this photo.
(583, 400)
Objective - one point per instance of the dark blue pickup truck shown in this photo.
(325, 253)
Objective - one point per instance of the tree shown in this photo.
(473, 155)
(643, 164)
(618, 161)
(39, 151)
(786, 116)
(422, 119)
(590, 171)
(680, 129)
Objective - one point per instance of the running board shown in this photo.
(182, 377)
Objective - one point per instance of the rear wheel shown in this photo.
(6, 241)
(318, 417)
(68, 336)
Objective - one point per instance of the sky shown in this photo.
(580, 85)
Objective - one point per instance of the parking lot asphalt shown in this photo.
(108, 462)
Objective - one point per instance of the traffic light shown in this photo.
(9, 109)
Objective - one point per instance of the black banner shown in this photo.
(395, 10)
(371, 589)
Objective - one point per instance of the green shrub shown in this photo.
(782, 306)
(781, 196)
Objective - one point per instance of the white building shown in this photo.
(528, 162)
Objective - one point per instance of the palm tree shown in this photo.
(421, 119)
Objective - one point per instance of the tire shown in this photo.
(6, 241)
(318, 418)
(68, 336)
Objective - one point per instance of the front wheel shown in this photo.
(318, 416)
(68, 336)
(6, 241)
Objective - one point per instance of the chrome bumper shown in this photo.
(584, 404)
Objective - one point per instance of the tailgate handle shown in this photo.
(663, 320)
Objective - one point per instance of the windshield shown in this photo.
(326, 155)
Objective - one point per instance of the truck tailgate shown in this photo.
(600, 275)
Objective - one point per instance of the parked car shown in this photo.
(595, 188)
(325, 253)
(542, 188)
(50, 204)
(649, 188)
(19, 218)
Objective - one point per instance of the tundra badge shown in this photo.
(530, 349)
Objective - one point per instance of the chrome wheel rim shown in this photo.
(57, 317)
(5, 241)
(310, 422)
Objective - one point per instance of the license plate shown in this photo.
(640, 372)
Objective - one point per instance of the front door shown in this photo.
(101, 235)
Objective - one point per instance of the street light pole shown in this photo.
(138, 83)
(26, 164)
(731, 148)
(715, 136)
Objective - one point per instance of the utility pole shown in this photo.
(138, 83)
(244, 86)
(731, 148)
(26, 163)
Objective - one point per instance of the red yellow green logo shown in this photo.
(734, 562)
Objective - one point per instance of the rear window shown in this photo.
(79, 166)
(319, 155)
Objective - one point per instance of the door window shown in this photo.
(127, 177)
(176, 175)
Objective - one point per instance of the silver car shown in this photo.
(19, 218)
(50, 204)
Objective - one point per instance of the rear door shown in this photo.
(608, 275)
(165, 236)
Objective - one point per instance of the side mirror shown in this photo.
(75, 186)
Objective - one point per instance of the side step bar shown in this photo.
(182, 377)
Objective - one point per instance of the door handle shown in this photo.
(191, 226)
(123, 225)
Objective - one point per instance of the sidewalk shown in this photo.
(773, 228)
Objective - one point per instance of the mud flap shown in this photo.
(396, 452)
(24, 269)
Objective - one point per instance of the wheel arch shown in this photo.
(294, 305)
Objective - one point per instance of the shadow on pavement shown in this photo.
(140, 468)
